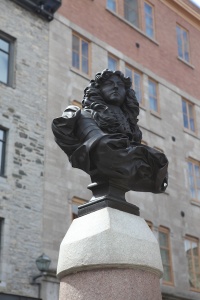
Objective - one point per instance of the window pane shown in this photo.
(75, 43)
(111, 4)
(185, 121)
(163, 239)
(153, 96)
(4, 45)
(166, 274)
(179, 41)
(149, 32)
(85, 65)
(112, 64)
(131, 11)
(148, 19)
(85, 49)
(137, 86)
(184, 107)
(3, 67)
(165, 256)
(128, 73)
(75, 60)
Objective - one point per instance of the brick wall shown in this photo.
(161, 58)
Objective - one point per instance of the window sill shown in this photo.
(185, 62)
(76, 71)
(132, 26)
(155, 114)
(190, 133)
(195, 202)
(142, 107)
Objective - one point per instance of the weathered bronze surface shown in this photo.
(104, 140)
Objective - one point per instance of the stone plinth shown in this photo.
(109, 254)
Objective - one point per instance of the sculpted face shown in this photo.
(113, 91)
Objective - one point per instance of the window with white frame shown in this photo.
(149, 19)
(183, 43)
(80, 54)
(188, 115)
(194, 179)
(153, 95)
(193, 258)
(165, 249)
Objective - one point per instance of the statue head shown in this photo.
(112, 88)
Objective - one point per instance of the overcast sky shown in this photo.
(197, 2)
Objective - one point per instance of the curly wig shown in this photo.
(94, 103)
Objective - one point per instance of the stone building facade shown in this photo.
(168, 73)
(40, 191)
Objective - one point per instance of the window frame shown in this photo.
(80, 69)
(76, 201)
(182, 42)
(3, 154)
(166, 231)
(153, 19)
(194, 163)
(188, 103)
(195, 240)
(114, 58)
(11, 59)
(133, 71)
(155, 112)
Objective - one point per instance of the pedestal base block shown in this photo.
(111, 284)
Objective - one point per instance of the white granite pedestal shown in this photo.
(109, 254)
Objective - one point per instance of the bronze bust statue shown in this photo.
(104, 140)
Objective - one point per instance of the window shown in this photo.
(164, 243)
(80, 54)
(131, 12)
(6, 58)
(193, 258)
(153, 95)
(183, 43)
(149, 20)
(136, 78)
(111, 4)
(188, 115)
(194, 179)
(76, 202)
(112, 63)
(2, 150)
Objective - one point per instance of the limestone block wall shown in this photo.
(23, 113)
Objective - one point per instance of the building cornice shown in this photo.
(185, 11)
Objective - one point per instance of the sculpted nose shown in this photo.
(115, 86)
